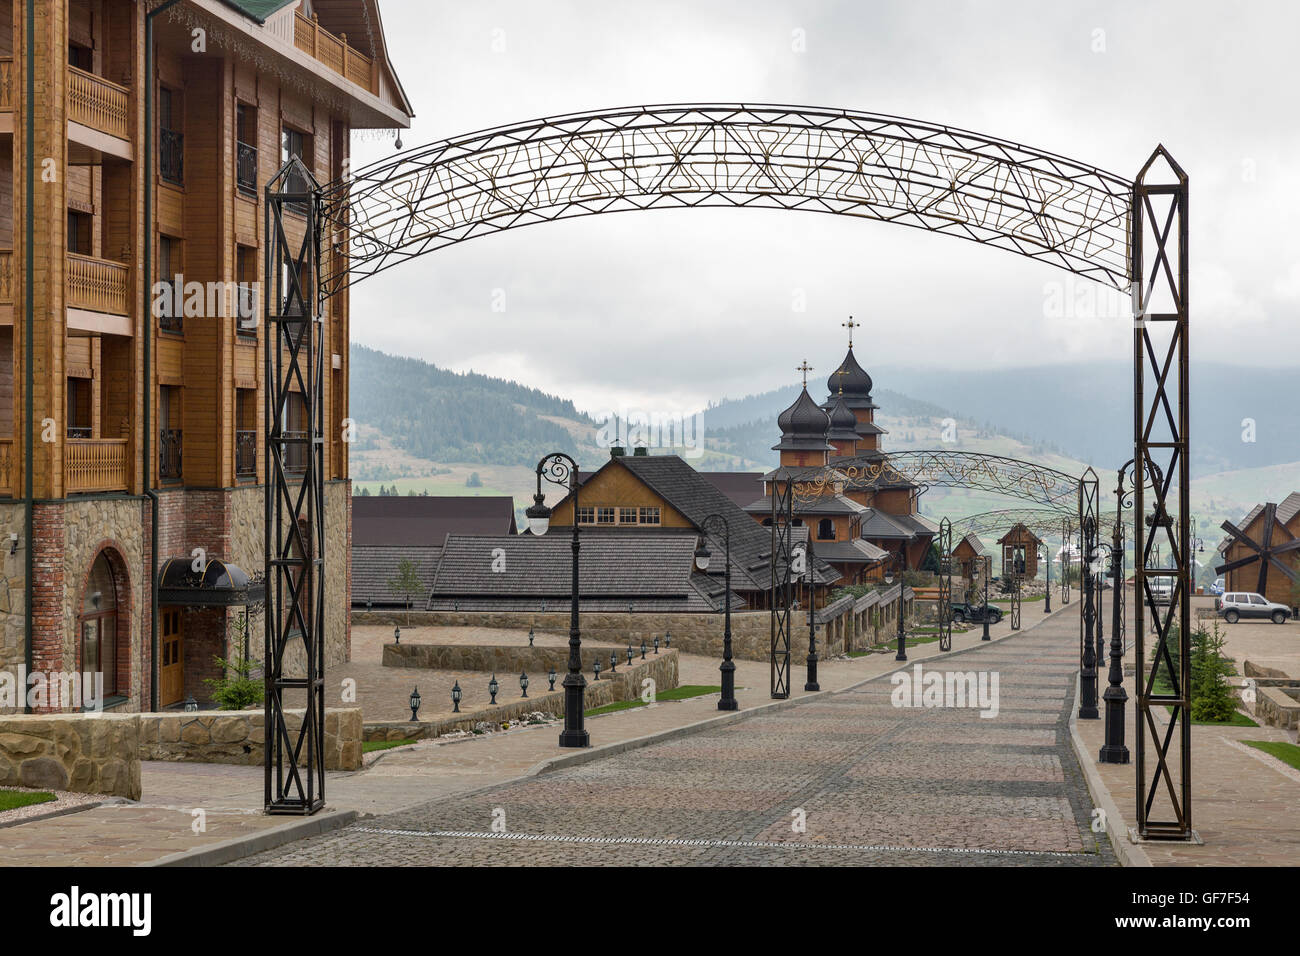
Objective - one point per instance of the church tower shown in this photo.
(851, 385)
(804, 427)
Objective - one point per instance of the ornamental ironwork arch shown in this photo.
(841, 162)
(1122, 233)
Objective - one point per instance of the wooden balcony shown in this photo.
(95, 465)
(7, 277)
(6, 84)
(98, 103)
(334, 52)
(7, 477)
(98, 285)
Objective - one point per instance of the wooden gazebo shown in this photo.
(1020, 552)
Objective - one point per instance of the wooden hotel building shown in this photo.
(126, 496)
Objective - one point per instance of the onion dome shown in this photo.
(855, 382)
(803, 426)
(844, 424)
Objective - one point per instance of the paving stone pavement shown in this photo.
(876, 784)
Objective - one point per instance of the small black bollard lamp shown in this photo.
(530, 637)
(668, 638)
(597, 668)
(523, 682)
(656, 643)
(455, 697)
(415, 704)
(551, 677)
(613, 661)
(397, 635)
(643, 648)
(493, 687)
(629, 655)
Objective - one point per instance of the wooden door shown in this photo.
(171, 669)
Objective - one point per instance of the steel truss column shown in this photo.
(945, 585)
(294, 497)
(1158, 270)
(1016, 586)
(1089, 492)
(782, 586)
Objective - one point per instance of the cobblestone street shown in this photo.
(876, 784)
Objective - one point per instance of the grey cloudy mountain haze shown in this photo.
(673, 309)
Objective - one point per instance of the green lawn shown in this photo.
(369, 746)
(13, 799)
(677, 693)
(1287, 753)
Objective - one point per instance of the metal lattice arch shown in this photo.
(1126, 234)
(938, 178)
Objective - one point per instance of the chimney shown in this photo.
(616, 451)
(640, 451)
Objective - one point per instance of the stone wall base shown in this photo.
(83, 753)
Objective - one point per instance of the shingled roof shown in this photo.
(373, 566)
(618, 569)
(424, 521)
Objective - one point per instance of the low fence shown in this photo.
(624, 684)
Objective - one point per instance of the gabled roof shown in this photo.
(1019, 534)
(696, 498)
(973, 542)
(419, 521)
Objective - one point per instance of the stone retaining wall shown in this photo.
(236, 736)
(751, 631)
(625, 684)
(1278, 707)
(84, 753)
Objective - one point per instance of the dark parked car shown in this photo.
(975, 613)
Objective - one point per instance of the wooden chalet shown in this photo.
(1261, 553)
(1020, 550)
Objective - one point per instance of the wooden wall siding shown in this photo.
(615, 486)
(207, 214)
(6, 84)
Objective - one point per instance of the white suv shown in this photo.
(1234, 605)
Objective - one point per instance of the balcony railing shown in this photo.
(171, 156)
(169, 453)
(6, 84)
(245, 454)
(97, 464)
(334, 52)
(246, 168)
(7, 467)
(6, 277)
(97, 285)
(294, 452)
(98, 103)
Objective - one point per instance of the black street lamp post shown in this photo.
(559, 469)
(1114, 749)
(899, 559)
(811, 685)
(728, 667)
(1047, 597)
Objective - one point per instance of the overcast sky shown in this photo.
(667, 310)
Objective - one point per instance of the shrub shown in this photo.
(235, 690)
